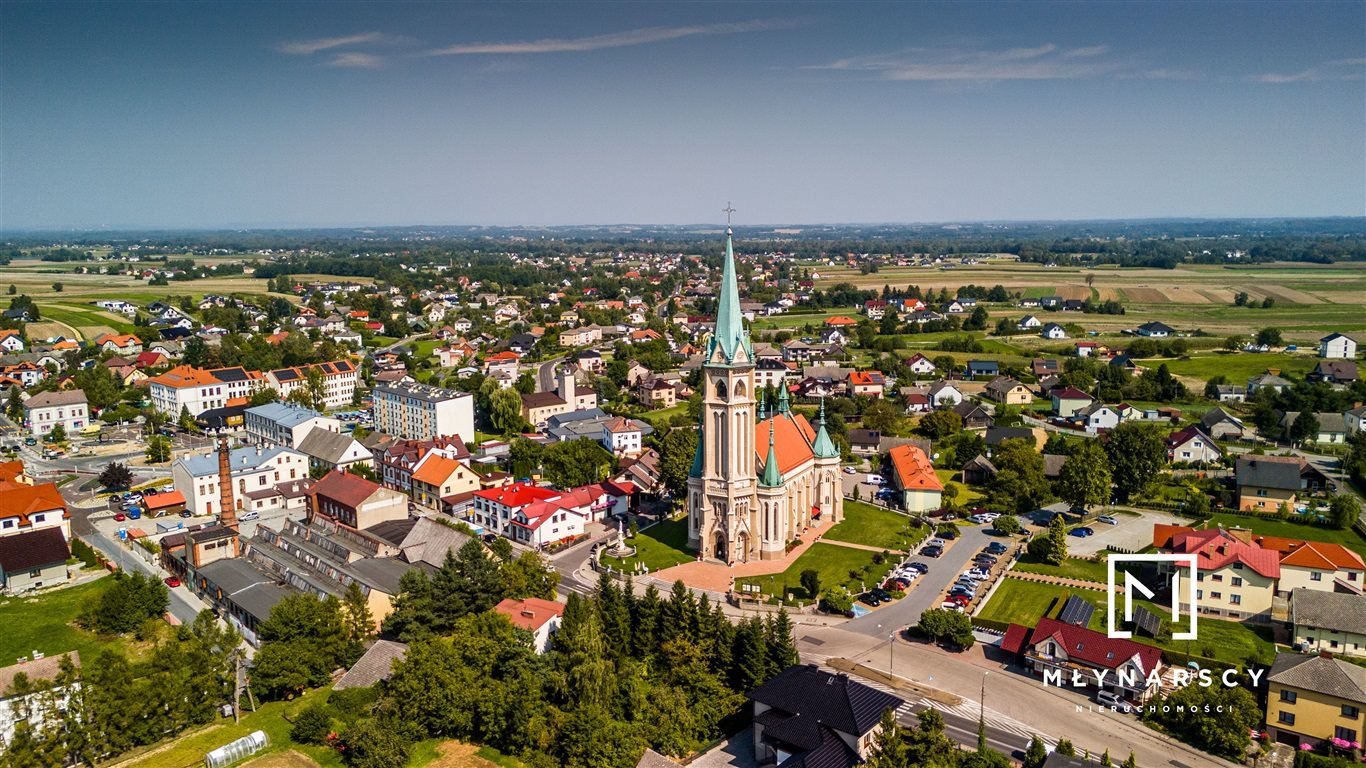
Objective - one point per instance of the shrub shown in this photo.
(312, 725)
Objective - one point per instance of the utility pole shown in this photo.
(982, 716)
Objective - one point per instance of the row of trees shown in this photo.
(111, 704)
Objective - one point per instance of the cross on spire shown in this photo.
(728, 211)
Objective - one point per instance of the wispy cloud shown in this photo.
(309, 47)
(1338, 69)
(642, 36)
(1043, 62)
(356, 60)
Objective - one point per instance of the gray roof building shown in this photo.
(1335, 611)
(1321, 674)
(1282, 472)
(375, 665)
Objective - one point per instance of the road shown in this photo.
(902, 613)
(184, 606)
(1017, 705)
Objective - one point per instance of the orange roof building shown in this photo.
(25, 508)
(539, 617)
(840, 321)
(914, 476)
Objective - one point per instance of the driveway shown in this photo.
(899, 614)
(1134, 532)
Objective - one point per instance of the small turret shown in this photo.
(824, 447)
(697, 458)
(771, 478)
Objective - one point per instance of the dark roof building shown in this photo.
(808, 718)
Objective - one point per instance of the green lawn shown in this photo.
(953, 478)
(1238, 367)
(660, 419)
(46, 624)
(834, 564)
(875, 527)
(1024, 602)
(1290, 530)
(662, 545)
(1072, 568)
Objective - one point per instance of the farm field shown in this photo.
(1309, 299)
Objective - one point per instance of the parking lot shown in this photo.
(1134, 532)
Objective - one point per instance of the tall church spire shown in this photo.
(730, 333)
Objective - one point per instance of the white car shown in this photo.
(1107, 519)
(979, 574)
(937, 543)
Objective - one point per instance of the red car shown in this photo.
(120, 517)
(959, 599)
(172, 582)
(894, 586)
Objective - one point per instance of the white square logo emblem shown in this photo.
(1179, 581)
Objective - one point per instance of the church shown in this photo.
(762, 474)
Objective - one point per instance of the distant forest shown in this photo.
(376, 252)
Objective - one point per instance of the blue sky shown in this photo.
(300, 114)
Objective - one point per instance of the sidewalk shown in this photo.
(1059, 580)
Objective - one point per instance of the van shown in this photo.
(250, 514)
(1108, 699)
(877, 479)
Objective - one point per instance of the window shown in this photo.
(1199, 577)
(1316, 576)
(1237, 566)
(1216, 595)
(36, 572)
(1286, 717)
(1350, 711)
(1237, 581)
(1199, 594)
(1288, 696)
(1235, 599)
(1217, 577)
(1346, 734)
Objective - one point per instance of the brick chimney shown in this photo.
(227, 510)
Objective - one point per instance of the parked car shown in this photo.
(186, 513)
(997, 548)
(120, 517)
(985, 559)
(937, 542)
(1083, 532)
(870, 599)
(881, 594)
(1110, 699)
(948, 534)
(250, 514)
(967, 592)
(893, 585)
(919, 566)
(932, 551)
(950, 605)
(850, 471)
(959, 599)
(1108, 519)
(134, 513)
(172, 582)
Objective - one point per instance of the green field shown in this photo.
(834, 564)
(1290, 530)
(1072, 568)
(660, 419)
(966, 495)
(1022, 602)
(875, 527)
(1239, 366)
(661, 545)
(46, 623)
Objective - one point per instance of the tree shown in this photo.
(302, 641)
(372, 744)
(944, 625)
(810, 580)
(1130, 761)
(1234, 343)
(1051, 545)
(116, 476)
(1197, 503)
(505, 410)
(1228, 716)
(928, 744)
(128, 601)
(571, 463)
(527, 575)
(1269, 337)
(263, 396)
(890, 749)
(1065, 748)
(1240, 299)
(676, 454)
(14, 405)
(1304, 429)
(885, 417)
(1344, 510)
(1035, 754)
(1137, 453)
(360, 623)
(158, 449)
(1084, 479)
(1019, 484)
(1008, 524)
(940, 424)
(311, 726)
(58, 434)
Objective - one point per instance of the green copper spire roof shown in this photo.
(771, 478)
(730, 333)
(696, 470)
(824, 447)
(784, 404)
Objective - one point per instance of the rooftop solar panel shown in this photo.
(1147, 621)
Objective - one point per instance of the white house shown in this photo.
(944, 395)
(254, 471)
(47, 410)
(42, 673)
(338, 381)
(1099, 416)
(11, 341)
(1028, 323)
(1337, 345)
(920, 365)
(1054, 331)
(539, 617)
(1192, 446)
(197, 389)
(284, 424)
